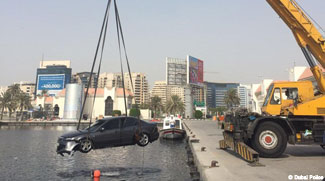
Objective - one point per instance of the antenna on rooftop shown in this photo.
(42, 59)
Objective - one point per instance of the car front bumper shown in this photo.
(154, 136)
(65, 146)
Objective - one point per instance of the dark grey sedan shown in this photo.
(109, 132)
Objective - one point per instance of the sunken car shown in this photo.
(108, 132)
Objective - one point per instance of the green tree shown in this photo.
(231, 98)
(14, 92)
(136, 106)
(135, 112)
(116, 112)
(198, 114)
(155, 105)
(24, 103)
(175, 105)
(5, 99)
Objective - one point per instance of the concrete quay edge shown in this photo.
(202, 160)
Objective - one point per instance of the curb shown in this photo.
(200, 168)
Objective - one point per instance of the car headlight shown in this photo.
(70, 139)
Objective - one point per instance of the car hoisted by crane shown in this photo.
(292, 112)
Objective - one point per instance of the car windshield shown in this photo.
(95, 125)
(268, 95)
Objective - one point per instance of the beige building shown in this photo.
(140, 84)
(198, 93)
(176, 90)
(141, 89)
(83, 78)
(160, 89)
(44, 64)
(27, 87)
(110, 80)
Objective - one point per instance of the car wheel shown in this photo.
(270, 140)
(144, 139)
(85, 145)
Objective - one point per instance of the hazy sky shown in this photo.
(244, 41)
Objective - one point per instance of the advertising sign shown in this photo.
(195, 70)
(50, 82)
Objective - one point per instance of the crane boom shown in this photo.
(290, 109)
(306, 34)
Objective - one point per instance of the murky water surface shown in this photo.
(29, 153)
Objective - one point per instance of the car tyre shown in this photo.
(270, 140)
(85, 145)
(144, 140)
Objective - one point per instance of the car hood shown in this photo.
(74, 133)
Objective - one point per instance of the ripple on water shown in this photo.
(30, 154)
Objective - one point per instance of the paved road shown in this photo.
(297, 160)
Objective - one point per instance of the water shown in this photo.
(29, 153)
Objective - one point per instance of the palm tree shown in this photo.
(24, 103)
(155, 105)
(4, 101)
(231, 98)
(175, 105)
(13, 91)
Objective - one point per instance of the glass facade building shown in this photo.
(215, 94)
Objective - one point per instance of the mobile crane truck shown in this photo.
(292, 112)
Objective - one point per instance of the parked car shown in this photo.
(108, 132)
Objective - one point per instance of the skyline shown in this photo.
(220, 33)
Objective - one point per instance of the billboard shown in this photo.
(195, 71)
(176, 71)
(51, 82)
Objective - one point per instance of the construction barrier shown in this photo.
(246, 152)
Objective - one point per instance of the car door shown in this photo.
(108, 134)
(128, 130)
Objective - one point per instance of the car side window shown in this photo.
(130, 122)
(112, 124)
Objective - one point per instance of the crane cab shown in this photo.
(285, 98)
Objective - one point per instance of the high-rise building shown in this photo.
(184, 77)
(198, 93)
(176, 71)
(160, 89)
(83, 78)
(176, 90)
(185, 94)
(52, 76)
(110, 80)
(139, 80)
(140, 86)
(244, 93)
(215, 95)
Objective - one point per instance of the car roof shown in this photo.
(110, 118)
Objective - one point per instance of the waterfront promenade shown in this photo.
(297, 160)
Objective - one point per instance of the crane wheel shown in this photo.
(270, 140)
